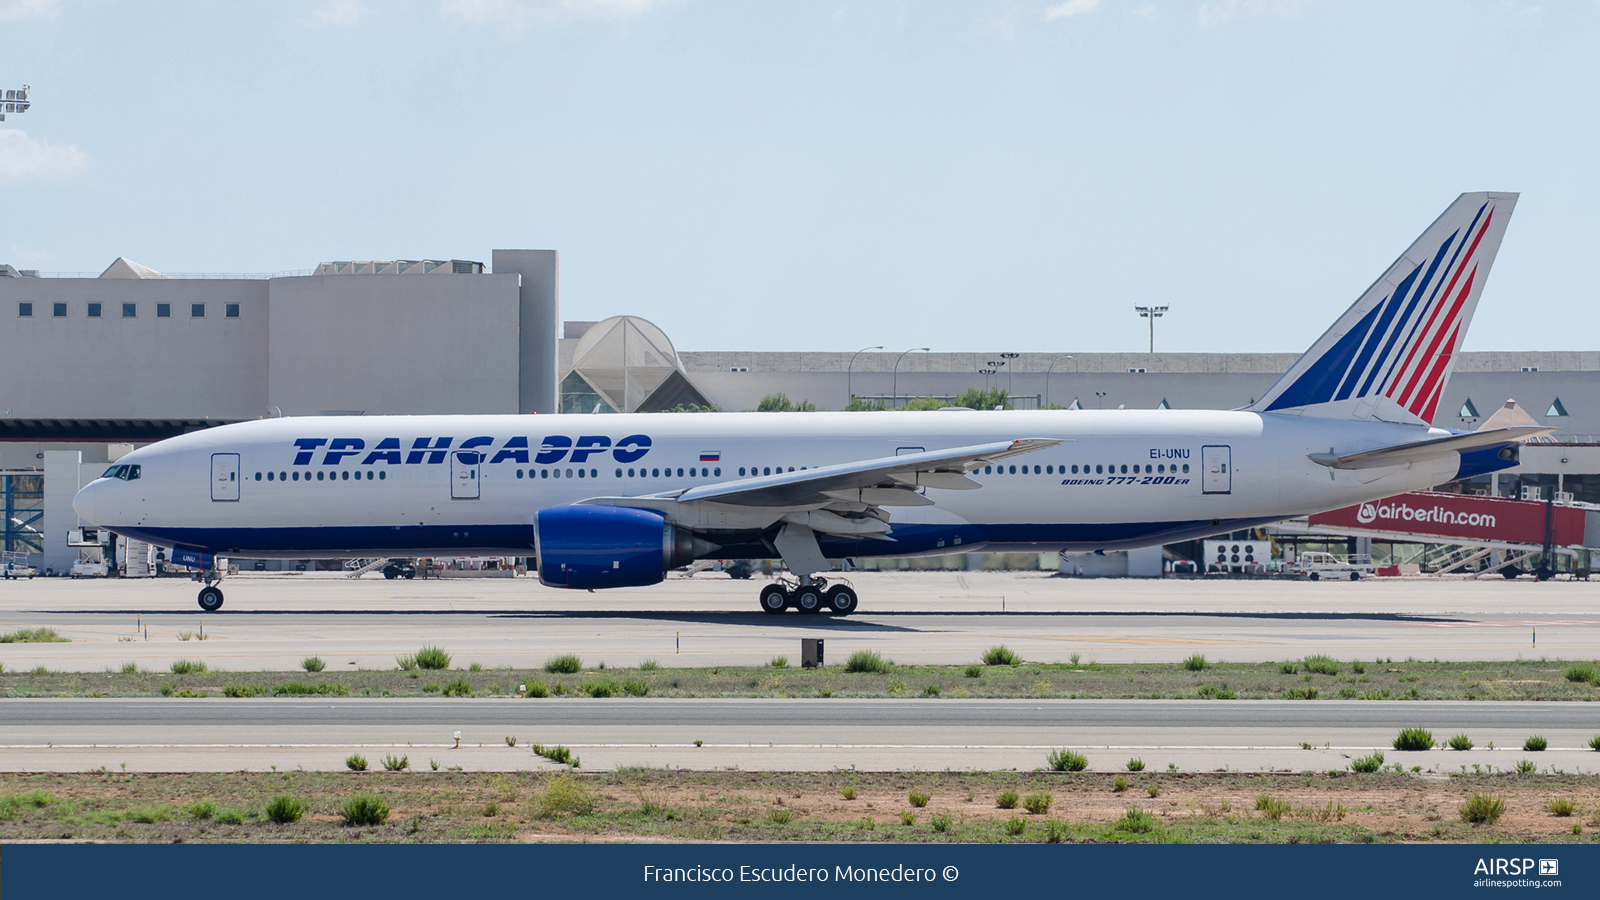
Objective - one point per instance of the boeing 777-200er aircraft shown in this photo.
(617, 500)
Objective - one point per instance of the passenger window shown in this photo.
(1185, 468)
(580, 473)
(619, 473)
(382, 474)
(319, 476)
(345, 475)
(680, 473)
(986, 470)
(269, 476)
(295, 476)
(519, 473)
(1098, 469)
(1074, 470)
(1013, 471)
(544, 473)
(766, 471)
(1049, 470)
(1036, 470)
(718, 472)
(282, 476)
(258, 476)
(655, 473)
(594, 473)
(569, 473)
(741, 471)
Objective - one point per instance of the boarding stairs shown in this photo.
(355, 568)
(1452, 557)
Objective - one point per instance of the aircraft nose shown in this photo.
(83, 503)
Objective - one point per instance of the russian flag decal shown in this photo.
(710, 455)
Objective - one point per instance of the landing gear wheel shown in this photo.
(842, 600)
(808, 599)
(210, 599)
(774, 599)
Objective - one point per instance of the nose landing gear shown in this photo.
(210, 598)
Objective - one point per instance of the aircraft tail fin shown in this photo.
(1389, 356)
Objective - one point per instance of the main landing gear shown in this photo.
(812, 597)
(210, 595)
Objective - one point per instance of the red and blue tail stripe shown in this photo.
(1394, 347)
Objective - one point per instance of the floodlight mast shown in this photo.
(15, 102)
(1152, 313)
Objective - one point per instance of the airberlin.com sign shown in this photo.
(1459, 516)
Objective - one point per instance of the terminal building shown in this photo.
(93, 365)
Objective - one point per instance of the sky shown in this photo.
(967, 176)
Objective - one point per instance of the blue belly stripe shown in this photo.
(517, 540)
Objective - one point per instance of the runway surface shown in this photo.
(272, 621)
(224, 735)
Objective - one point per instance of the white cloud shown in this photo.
(1222, 10)
(26, 9)
(1070, 8)
(516, 10)
(338, 12)
(23, 157)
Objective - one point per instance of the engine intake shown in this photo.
(590, 547)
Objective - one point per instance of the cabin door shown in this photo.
(464, 474)
(224, 476)
(1216, 469)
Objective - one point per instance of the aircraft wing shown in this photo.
(933, 468)
(1400, 454)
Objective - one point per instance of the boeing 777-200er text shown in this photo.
(618, 500)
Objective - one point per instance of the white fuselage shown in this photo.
(458, 485)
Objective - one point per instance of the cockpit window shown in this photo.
(126, 473)
(133, 472)
(112, 472)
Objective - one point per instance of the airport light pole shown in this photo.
(1011, 375)
(1047, 377)
(986, 373)
(15, 102)
(848, 372)
(897, 370)
(1152, 313)
(1101, 395)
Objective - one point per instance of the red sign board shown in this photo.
(1460, 516)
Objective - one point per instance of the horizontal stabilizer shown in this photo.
(1400, 454)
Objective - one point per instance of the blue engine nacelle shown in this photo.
(588, 547)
